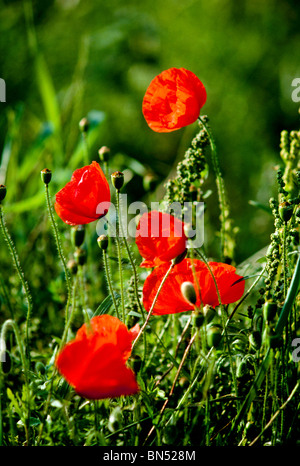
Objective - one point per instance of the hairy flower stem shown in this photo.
(152, 305)
(62, 343)
(223, 325)
(7, 324)
(108, 278)
(118, 242)
(220, 187)
(21, 275)
(58, 246)
(135, 276)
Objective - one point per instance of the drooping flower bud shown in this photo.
(84, 125)
(46, 175)
(117, 179)
(77, 235)
(103, 153)
(103, 242)
(188, 292)
(2, 192)
(179, 258)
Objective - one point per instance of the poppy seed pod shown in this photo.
(188, 292)
(214, 335)
(117, 179)
(103, 153)
(103, 242)
(2, 192)
(77, 235)
(46, 175)
(84, 125)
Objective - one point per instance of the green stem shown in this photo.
(153, 304)
(220, 187)
(131, 260)
(106, 266)
(62, 343)
(120, 255)
(21, 275)
(86, 149)
(11, 323)
(58, 246)
(223, 325)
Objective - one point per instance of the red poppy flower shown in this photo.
(173, 100)
(170, 299)
(78, 202)
(160, 238)
(94, 363)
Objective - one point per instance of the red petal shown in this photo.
(77, 202)
(160, 238)
(173, 99)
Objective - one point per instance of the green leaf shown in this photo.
(105, 306)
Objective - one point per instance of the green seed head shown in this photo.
(285, 211)
(77, 235)
(117, 179)
(103, 242)
(46, 175)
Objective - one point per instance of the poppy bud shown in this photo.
(149, 182)
(179, 258)
(103, 153)
(77, 235)
(46, 175)
(5, 362)
(188, 292)
(72, 266)
(198, 319)
(115, 419)
(117, 179)
(80, 256)
(209, 313)
(2, 192)
(102, 242)
(39, 367)
(269, 311)
(214, 335)
(285, 211)
(136, 363)
(84, 125)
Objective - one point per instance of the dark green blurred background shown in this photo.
(84, 56)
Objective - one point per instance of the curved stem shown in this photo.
(106, 266)
(11, 323)
(17, 264)
(131, 260)
(152, 305)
